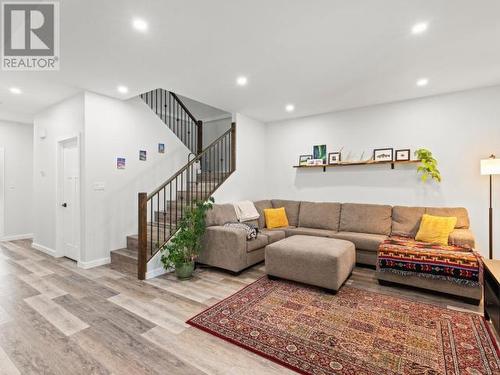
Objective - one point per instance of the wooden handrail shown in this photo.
(198, 157)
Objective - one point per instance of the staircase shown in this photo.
(160, 211)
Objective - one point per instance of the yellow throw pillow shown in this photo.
(275, 217)
(436, 229)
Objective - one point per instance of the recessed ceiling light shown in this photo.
(419, 28)
(122, 89)
(15, 90)
(242, 81)
(290, 107)
(139, 24)
(422, 82)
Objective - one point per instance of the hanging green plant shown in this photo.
(428, 167)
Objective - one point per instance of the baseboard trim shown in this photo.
(156, 272)
(27, 236)
(94, 263)
(44, 249)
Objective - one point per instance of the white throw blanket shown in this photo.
(246, 211)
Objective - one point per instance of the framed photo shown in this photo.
(334, 158)
(161, 148)
(319, 152)
(403, 155)
(120, 163)
(383, 154)
(143, 155)
(304, 158)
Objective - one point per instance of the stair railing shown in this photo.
(165, 206)
(172, 111)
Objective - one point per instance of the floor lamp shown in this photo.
(490, 167)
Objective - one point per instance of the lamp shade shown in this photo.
(490, 166)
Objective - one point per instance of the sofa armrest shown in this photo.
(462, 237)
(224, 248)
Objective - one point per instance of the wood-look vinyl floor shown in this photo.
(58, 319)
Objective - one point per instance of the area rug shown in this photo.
(352, 332)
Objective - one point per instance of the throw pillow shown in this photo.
(275, 217)
(436, 229)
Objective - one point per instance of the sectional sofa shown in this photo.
(365, 225)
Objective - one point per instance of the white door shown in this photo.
(2, 189)
(70, 200)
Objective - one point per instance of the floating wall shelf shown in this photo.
(348, 164)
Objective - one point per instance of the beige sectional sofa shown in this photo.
(365, 225)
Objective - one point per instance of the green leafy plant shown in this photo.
(184, 246)
(428, 167)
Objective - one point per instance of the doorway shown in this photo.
(69, 199)
(2, 193)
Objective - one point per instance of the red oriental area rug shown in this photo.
(352, 332)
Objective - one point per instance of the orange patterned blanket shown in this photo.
(407, 256)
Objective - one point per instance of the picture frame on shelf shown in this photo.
(383, 154)
(334, 158)
(303, 159)
(403, 155)
(319, 152)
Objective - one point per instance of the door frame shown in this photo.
(59, 195)
(2, 192)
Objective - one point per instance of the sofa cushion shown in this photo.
(462, 237)
(273, 235)
(291, 208)
(362, 241)
(309, 232)
(220, 214)
(257, 243)
(319, 215)
(459, 212)
(365, 218)
(260, 206)
(406, 220)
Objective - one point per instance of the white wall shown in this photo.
(248, 181)
(214, 129)
(17, 141)
(460, 129)
(58, 122)
(115, 128)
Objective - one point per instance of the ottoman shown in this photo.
(318, 261)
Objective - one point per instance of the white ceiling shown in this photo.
(320, 55)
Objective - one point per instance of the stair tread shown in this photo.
(129, 253)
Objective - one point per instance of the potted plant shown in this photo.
(182, 250)
(428, 168)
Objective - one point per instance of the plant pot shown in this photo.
(184, 271)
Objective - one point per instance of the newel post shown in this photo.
(200, 137)
(142, 259)
(233, 147)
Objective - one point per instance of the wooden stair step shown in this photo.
(124, 260)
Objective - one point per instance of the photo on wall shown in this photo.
(143, 155)
(383, 154)
(120, 163)
(161, 148)
(319, 152)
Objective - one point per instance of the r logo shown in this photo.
(30, 30)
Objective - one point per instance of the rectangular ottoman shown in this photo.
(319, 261)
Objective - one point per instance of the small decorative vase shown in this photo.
(184, 271)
